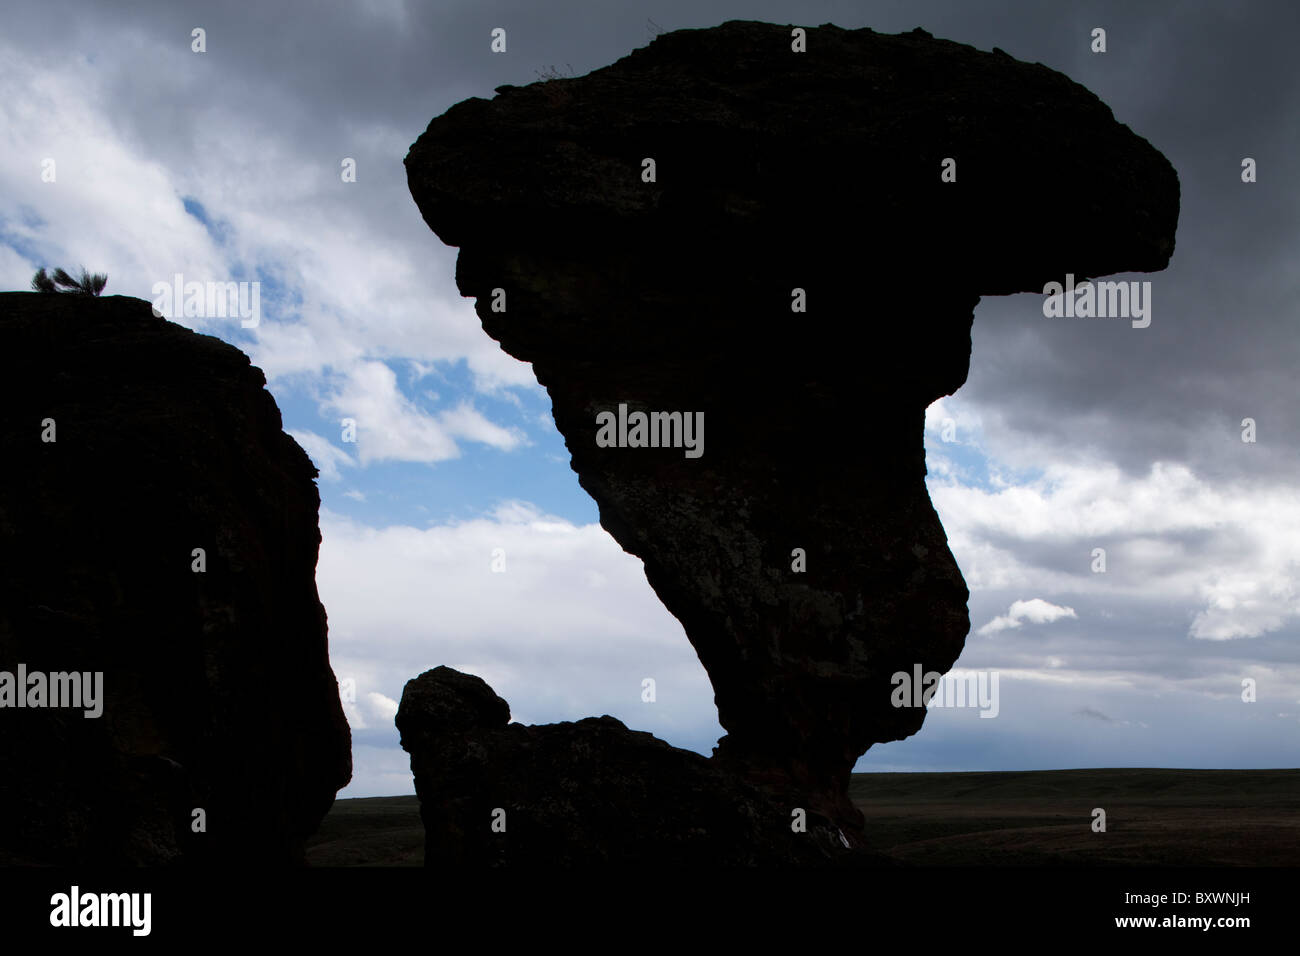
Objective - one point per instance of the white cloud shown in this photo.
(951, 412)
(568, 630)
(1035, 611)
(391, 427)
(110, 207)
(1244, 605)
(370, 710)
(1228, 553)
(464, 421)
(357, 278)
(383, 707)
(324, 454)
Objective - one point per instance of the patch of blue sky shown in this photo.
(218, 230)
(389, 492)
(963, 459)
(459, 489)
(276, 302)
(21, 234)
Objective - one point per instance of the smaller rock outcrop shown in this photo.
(158, 540)
(589, 792)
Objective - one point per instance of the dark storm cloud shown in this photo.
(1207, 85)
(1128, 557)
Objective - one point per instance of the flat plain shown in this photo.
(1154, 817)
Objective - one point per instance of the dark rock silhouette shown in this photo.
(778, 171)
(217, 688)
(590, 792)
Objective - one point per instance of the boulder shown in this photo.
(585, 793)
(216, 691)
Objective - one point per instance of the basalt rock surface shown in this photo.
(776, 171)
(589, 792)
(217, 690)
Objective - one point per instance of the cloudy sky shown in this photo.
(1070, 435)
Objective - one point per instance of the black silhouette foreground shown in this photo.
(495, 793)
(130, 442)
(640, 235)
(1160, 818)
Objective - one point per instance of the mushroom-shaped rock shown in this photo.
(742, 272)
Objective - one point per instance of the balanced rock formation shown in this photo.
(129, 443)
(590, 792)
(786, 248)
